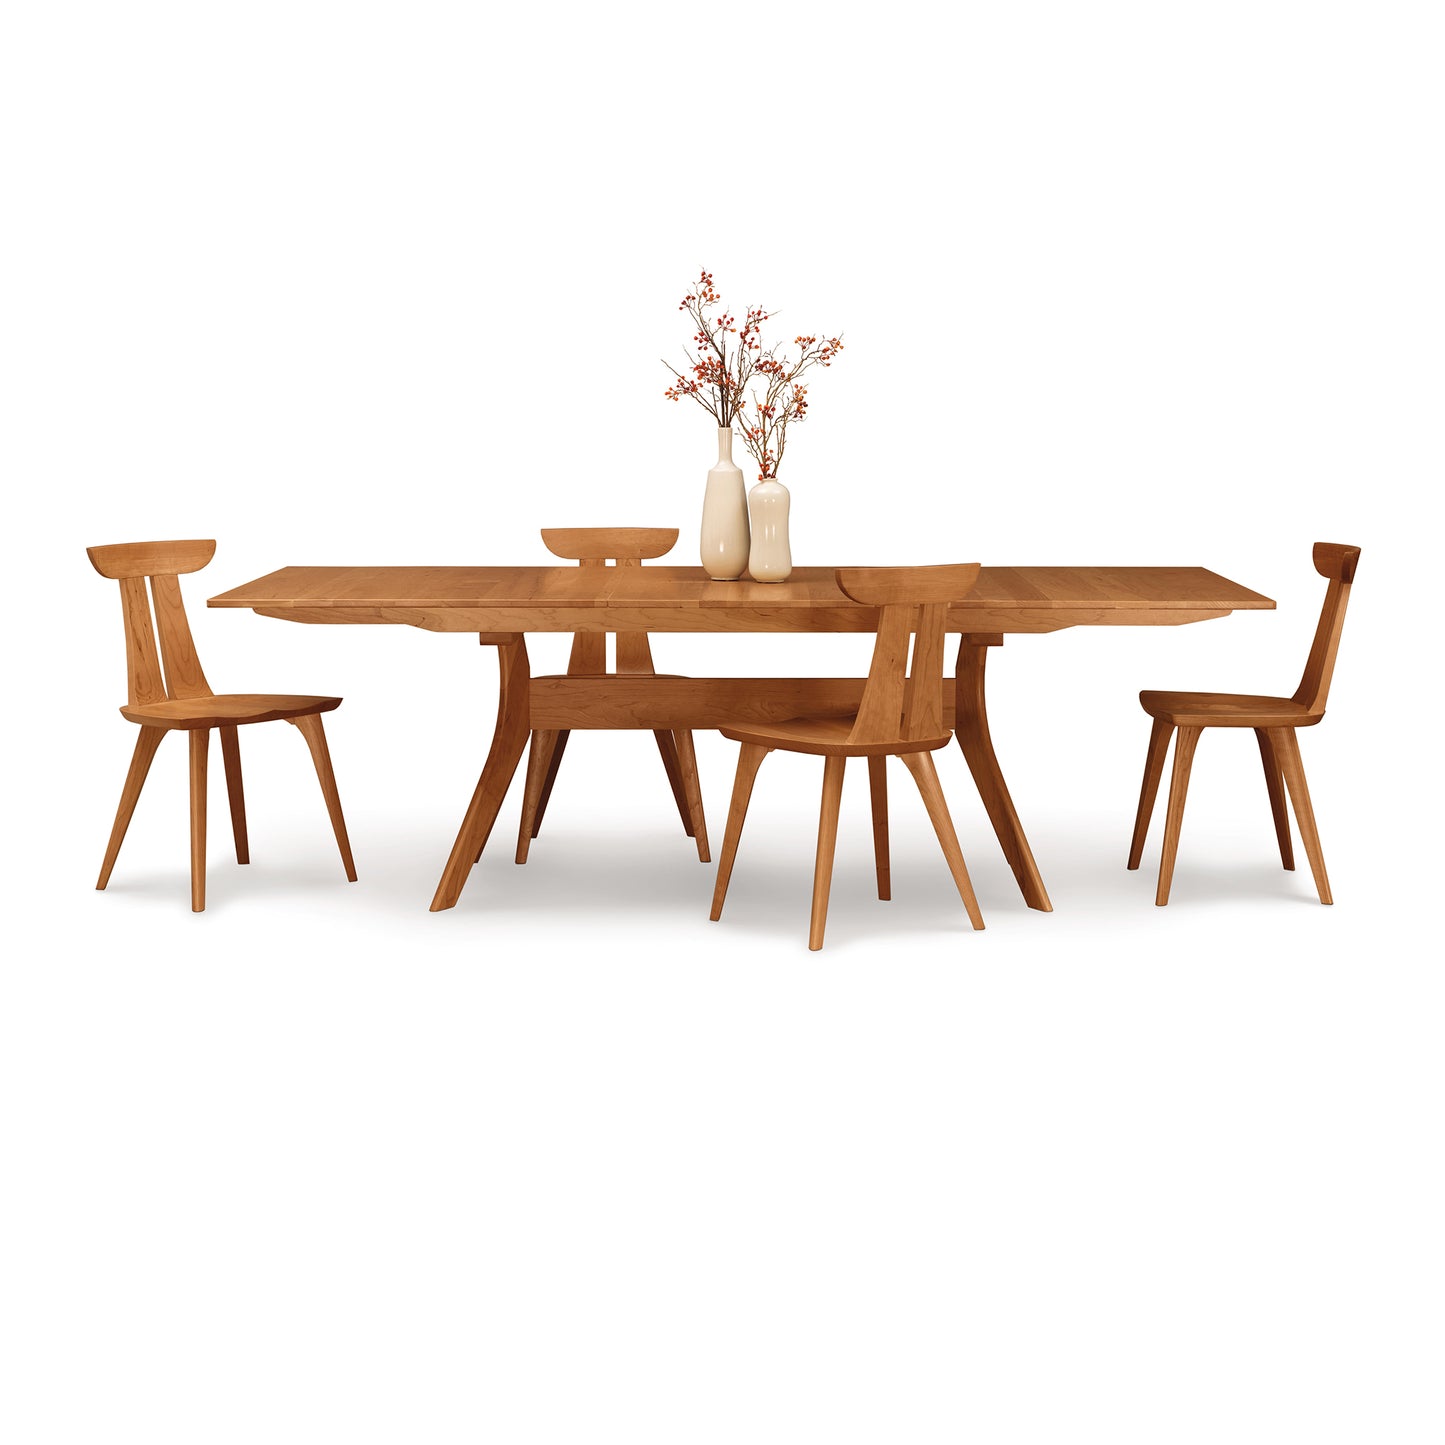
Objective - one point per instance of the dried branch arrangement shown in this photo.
(721, 377)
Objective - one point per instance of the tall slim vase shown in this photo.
(725, 515)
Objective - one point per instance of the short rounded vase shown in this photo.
(724, 544)
(770, 559)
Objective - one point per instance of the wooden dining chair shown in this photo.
(1274, 720)
(169, 692)
(900, 714)
(624, 547)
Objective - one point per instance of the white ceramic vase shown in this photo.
(769, 560)
(725, 515)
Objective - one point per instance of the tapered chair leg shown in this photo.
(554, 762)
(200, 745)
(1274, 781)
(878, 791)
(1153, 771)
(926, 776)
(231, 756)
(311, 729)
(667, 747)
(538, 759)
(749, 760)
(1185, 743)
(827, 842)
(546, 758)
(1286, 748)
(692, 791)
(140, 764)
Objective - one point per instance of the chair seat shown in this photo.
(227, 710)
(1226, 710)
(827, 737)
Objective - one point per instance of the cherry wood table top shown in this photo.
(684, 599)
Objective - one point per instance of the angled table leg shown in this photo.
(971, 727)
(508, 743)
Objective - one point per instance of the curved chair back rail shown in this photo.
(1337, 563)
(886, 586)
(600, 545)
(150, 559)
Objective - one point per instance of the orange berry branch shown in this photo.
(766, 418)
(716, 379)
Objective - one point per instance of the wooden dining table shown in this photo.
(502, 604)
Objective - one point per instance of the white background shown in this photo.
(1120, 283)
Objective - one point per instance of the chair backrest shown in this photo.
(1336, 562)
(903, 702)
(596, 547)
(132, 564)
